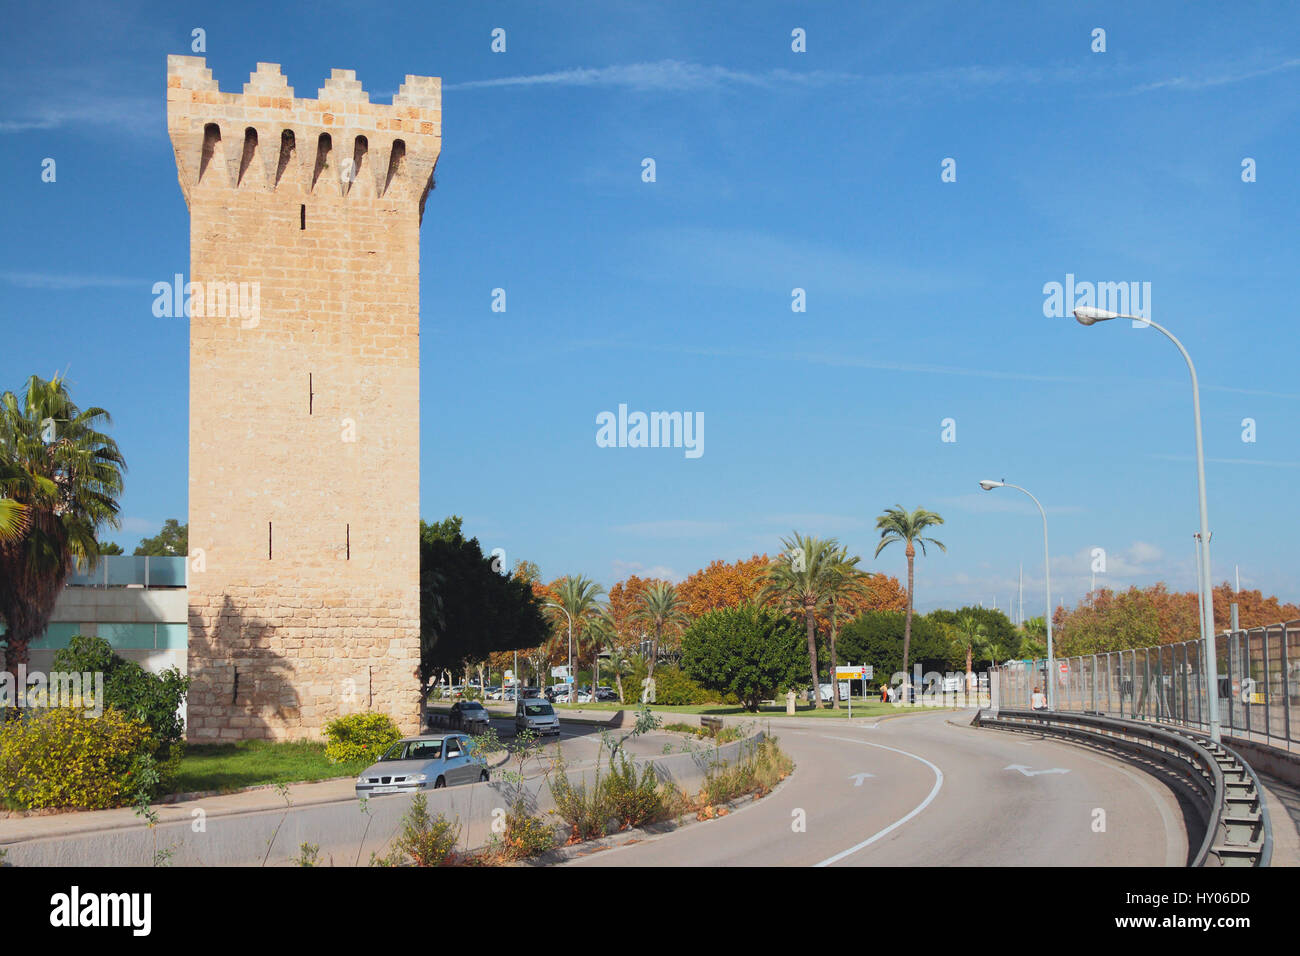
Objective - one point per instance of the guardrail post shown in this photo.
(1245, 673)
(1268, 713)
(1286, 685)
(1229, 642)
(1187, 715)
(1094, 682)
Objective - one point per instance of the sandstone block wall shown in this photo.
(304, 396)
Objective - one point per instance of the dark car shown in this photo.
(469, 715)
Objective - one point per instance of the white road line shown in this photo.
(938, 783)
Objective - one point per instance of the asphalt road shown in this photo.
(938, 792)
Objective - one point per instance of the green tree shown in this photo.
(468, 609)
(110, 549)
(153, 699)
(876, 638)
(64, 477)
(999, 638)
(172, 541)
(899, 524)
(662, 609)
(747, 651)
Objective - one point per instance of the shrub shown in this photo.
(672, 687)
(60, 757)
(584, 809)
(526, 835)
(358, 737)
(153, 699)
(631, 800)
(761, 769)
(425, 840)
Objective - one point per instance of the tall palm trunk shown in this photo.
(812, 657)
(835, 684)
(907, 624)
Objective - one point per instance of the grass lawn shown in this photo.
(873, 707)
(250, 763)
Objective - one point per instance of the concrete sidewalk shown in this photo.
(17, 828)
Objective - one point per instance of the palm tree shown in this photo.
(662, 609)
(801, 579)
(898, 524)
(60, 478)
(845, 583)
(579, 596)
(13, 514)
(975, 638)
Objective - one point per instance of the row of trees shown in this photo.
(1108, 620)
(814, 580)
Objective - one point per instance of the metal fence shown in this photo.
(1259, 684)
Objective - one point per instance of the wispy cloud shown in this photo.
(1265, 462)
(661, 76)
(673, 528)
(45, 280)
(1190, 84)
(622, 569)
(124, 112)
(748, 259)
(1001, 502)
(677, 76)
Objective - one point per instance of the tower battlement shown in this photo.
(337, 146)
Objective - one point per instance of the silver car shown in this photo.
(423, 763)
(536, 714)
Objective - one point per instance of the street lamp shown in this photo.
(572, 685)
(1091, 316)
(989, 485)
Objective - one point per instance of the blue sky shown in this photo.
(775, 170)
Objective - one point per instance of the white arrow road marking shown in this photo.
(857, 778)
(938, 783)
(1033, 773)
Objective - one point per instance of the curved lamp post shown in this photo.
(989, 485)
(1091, 316)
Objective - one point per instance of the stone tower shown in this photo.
(304, 585)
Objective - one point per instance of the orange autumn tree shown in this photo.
(624, 601)
(1107, 620)
(722, 585)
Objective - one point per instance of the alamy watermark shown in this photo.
(1126, 298)
(216, 300)
(55, 689)
(652, 430)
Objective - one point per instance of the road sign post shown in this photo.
(851, 673)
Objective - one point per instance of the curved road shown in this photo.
(939, 794)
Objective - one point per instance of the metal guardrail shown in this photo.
(1258, 691)
(1237, 832)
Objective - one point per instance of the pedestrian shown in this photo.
(1039, 700)
(884, 693)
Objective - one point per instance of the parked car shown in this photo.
(423, 763)
(538, 716)
(469, 715)
(493, 693)
(558, 693)
(606, 693)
